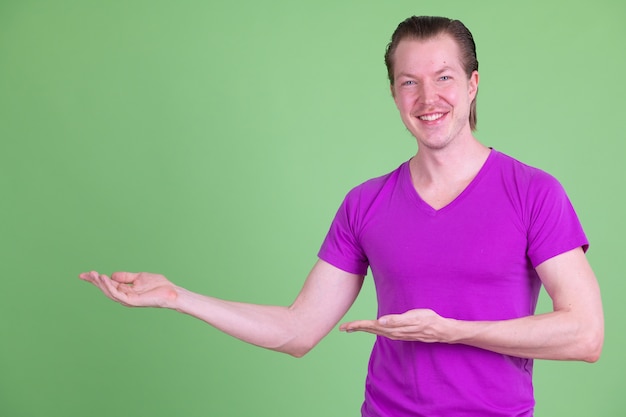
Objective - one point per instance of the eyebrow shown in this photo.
(445, 68)
(440, 71)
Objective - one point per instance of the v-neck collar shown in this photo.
(407, 184)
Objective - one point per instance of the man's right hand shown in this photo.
(134, 289)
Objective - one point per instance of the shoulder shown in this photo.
(538, 195)
(371, 189)
(552, 226)
(522, 176)
(366, 197)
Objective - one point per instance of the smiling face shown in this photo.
(432, 91)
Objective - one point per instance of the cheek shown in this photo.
(404, 101)
(454, 96)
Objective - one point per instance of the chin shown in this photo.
(434, 144)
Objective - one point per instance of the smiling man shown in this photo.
(459, 240)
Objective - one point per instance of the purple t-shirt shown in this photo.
(473, 259)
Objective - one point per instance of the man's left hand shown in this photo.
(421, 325)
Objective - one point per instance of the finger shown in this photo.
(384, 321)
(360, 325)
(103, 282)
(379, 331)
(112, 290)
(88, 276)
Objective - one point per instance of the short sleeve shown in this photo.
(554, 227)
(341, 247)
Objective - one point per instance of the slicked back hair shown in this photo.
(427, 27)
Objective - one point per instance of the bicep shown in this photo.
(571, 283)
(326, 296)
(575, 294)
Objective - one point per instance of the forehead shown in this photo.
(427, 55)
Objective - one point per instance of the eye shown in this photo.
(407, 83)
(445, 78)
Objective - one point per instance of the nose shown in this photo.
(428, 93)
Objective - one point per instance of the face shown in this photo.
(432, 91)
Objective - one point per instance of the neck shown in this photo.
(448, 165)
(439, 176)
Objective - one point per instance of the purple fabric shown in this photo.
(471, 260)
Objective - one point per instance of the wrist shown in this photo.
(173, 299)
(453, 332)
(183, 300)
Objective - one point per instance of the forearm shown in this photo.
(574, 330)
(563, 334)
(270, 327)
(327, 294)
(557, 335)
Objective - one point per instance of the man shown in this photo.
(459, 240)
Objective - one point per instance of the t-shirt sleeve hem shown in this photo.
(352, 268)
(539, 258)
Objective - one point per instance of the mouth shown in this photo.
(431, 117)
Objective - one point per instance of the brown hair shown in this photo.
(426, 27)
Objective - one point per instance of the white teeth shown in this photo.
(431, 117)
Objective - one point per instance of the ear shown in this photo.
(393, 93)
(473, 85)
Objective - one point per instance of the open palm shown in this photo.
(134, 289)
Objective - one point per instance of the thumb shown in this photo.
(392, 320)
(385, 320)
(124, 277)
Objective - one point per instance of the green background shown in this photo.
(213, 141)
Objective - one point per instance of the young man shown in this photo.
(459, 240)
